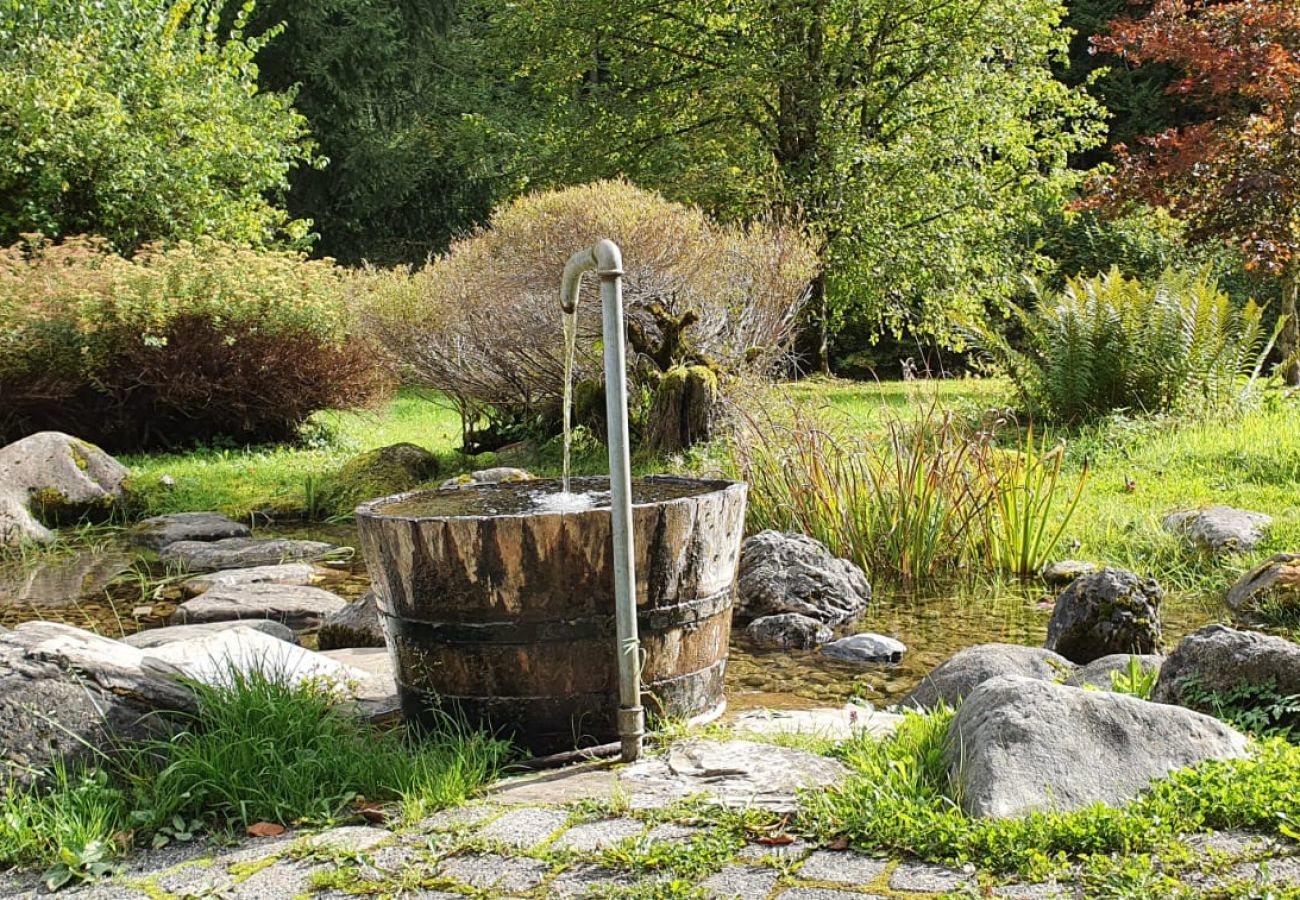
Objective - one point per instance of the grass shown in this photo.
(259, 749)
(898, 799)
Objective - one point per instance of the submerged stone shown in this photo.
(243, 553)
(866, 648)
(159, 531)
(285, 573)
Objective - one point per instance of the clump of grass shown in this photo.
(259, 748)
(899, 800)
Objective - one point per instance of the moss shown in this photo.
(376, 473)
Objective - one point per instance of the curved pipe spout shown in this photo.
(607, 262)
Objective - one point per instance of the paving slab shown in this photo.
(350, 838)
(525, 827)
(457, 818)
(830, 723)
(926, 878)
(1044, 891)
(791, 852)
(674, 831)
(740, 881)
(585, 781)
(490, 872)
(586, 880)
(283, 879)
(841, 866)
(804, 893)
(592, 836)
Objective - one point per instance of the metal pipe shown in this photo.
(607, 262)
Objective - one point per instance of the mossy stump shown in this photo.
(684, 411)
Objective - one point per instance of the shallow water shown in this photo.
(545, 495)
(101, 589)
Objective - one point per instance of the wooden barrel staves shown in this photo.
(506, 616)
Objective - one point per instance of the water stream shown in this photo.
(570, 323)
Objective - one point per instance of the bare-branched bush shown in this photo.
(483, 322)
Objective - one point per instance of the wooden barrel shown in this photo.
(508, 619)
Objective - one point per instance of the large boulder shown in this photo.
(1106, 612)
(866, 648)
(377, 473)
(787, 631)
(170, 634)
(243, 553)
(1219, 529)
(1019, 745)
(1217, 659)
(792, 573)
(159, 531)
(284, 573)
(355, 625)
(297, 606)
(960, 674)
(55, 477)
(1268, 592)
(68, 694)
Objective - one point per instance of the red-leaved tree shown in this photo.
(1234, 174)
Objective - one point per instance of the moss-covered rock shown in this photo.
(51, 478)
(377, 473)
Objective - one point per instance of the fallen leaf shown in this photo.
(265, 829)
(839, 843)
(775, 840)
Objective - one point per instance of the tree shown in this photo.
(1232, 174)
(394, 94)
(911, 135)
(136, 120)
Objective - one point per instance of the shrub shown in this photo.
(138, 120)
(1110, 342)
(483, 322)
(194, 343)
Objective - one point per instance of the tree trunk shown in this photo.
(1289, 340)
(684, 411)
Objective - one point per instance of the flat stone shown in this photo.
(242, 553)
(926, 878)
(866, 648)
(159, 531)
(586, 880)
(585, 781)
(592, 836)
(458, 817)
(299, 573)
(1043, 891)
(831, 724)
(795, 850)
(281, 879)
(351, 838)
(298, 606)
(842, 866)
(374, 692)
(170, 634)
(212, 658)
(1231, 844)
(733, 773)
(816, 893)
(525, 827)
(739, 881)
(195, 881)
(498, 874)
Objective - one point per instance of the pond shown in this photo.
(111, 589)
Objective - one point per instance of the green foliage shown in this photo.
(920, 500)
(898, 800)
(137, 120)
(175, 345)
(1256, 708)
(1134, 680)
(910, 142)
(1115, 343)
(259, 749)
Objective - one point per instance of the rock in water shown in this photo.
(66, 694)
(355, 625)
(866, 648)
(1106, 612)
(58, 477)
(1059, 574)
(1217, 659)
(788, 631)
(296, 606)
(1018, 746)
(1099, 673)
(159, 531)
(157, 637)
(956, 677)
(1219, 529)
(1270, 591)
(285, 573)
(792, 573)
(242, 553)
